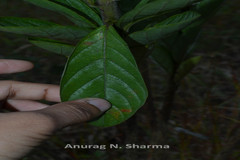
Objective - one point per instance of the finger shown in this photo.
(13, 66)
(24, 105)
(75, 112)
(29, 91)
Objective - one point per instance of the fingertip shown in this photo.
(14, 66)
(29, 65)
(24, 65)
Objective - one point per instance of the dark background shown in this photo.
(205, 124)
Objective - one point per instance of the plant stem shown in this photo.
(169, 99)
(149, 105)
(109, 11)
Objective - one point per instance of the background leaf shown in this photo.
(53, 46)
(151, 9)
(168, 26)
(70, 14)
(84, 8)
(183, 42)
(16, 21)
(40, 28)
(103, 66)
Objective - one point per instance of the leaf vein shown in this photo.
(122, 95)
(132, 91)
(121, 68)
(123, 56)
(91, 81)
(80, 71)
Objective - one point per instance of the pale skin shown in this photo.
(34, 122)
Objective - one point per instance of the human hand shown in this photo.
(22, 131)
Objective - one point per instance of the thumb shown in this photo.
(21, 131)
(74, 112)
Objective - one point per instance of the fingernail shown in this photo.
(101, 104)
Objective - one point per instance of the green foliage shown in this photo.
(162, 29)
(183, 42)
(40, 28)
(109, 71)
(84, 8)
(102, 65)
(53, 46)
(180, 44)
(145, 9)
(23, 22)
(70, 14)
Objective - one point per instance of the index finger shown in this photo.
(14, 66)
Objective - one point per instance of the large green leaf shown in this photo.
(103, 66)
(151, 9)
(53, 46)
(84, 8)
(40, 28)
(70, 14)
(170, 25)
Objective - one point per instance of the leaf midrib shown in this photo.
(104, 60)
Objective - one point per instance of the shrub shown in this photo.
(110, 39)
